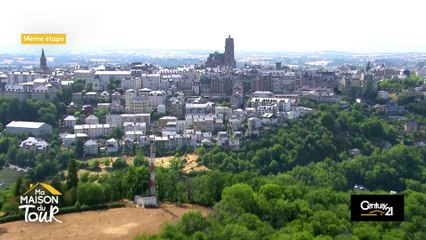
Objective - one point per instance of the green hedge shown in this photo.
(11, 218)
(65, 210)
(84, 208)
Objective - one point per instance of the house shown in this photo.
(112, 145)
(199, 108)
(92, 119)
(355, 151)
(103, 105)
(206, 142)
(128, 144)
(69, 139)
(411, 126)
(38, 145)
(156, 98)
(222, 138)
(71, 107)
(91, 148)
(383, 94)
(164, 120)
(380, 108)
(105, 96)
(161, 109)
(254, 123)
(234, 144)
(70, 121)
(235, 124)
(395, 109)
(86, 109)
(269, 119)
(90, 96)
(34, 128)
(134, 135)
(293, 114)
(225, 111)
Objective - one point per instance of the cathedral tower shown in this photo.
(43, 64)
(229, 52)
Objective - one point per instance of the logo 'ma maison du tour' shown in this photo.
(40, 203)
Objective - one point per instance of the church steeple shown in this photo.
(43, 62)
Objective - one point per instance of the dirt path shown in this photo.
(119, 223)
(191, 163)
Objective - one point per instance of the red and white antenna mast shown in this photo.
(152, 170)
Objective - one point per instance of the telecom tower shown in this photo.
(152, 170)
(151, 200)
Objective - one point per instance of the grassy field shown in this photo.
(111, 224)
(8, 176)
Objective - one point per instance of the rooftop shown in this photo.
(23, 124)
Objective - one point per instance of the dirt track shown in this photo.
(119, 223)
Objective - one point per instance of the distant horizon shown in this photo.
(54, 50)
(360, 26)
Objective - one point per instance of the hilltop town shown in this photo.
(276, 144)
(118, 109)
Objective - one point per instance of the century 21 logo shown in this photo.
(377, 207)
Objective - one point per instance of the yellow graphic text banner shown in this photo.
(48, 38)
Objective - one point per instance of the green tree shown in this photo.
(95, 165)
(90, 193)
(140, 159)
(116, 133)
(192, 222)
(119, 163)
(79, 148)
(107, 163)
(72, 178)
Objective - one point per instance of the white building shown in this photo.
(101, 79)
(269, 119)
(157, 98)
(225, 111)
(38, 145)
(22, 77)
(70, 121)
(222, 139)
(118, 120)
(134, 135)
(34, 128)
(84, 74)
(104, 96)
(199, 108)
(91, 119)
(235, 124)
(69, 139)
(136, 103)
(91, 148)
(282, 104)
(151, 81)
(161, 109)
(112, 146)
(93, 130)
(132, 83)
(135, 126)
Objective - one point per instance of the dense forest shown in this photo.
(294, 182)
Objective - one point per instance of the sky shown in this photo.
(266, 25)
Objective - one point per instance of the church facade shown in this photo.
(225, 59)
